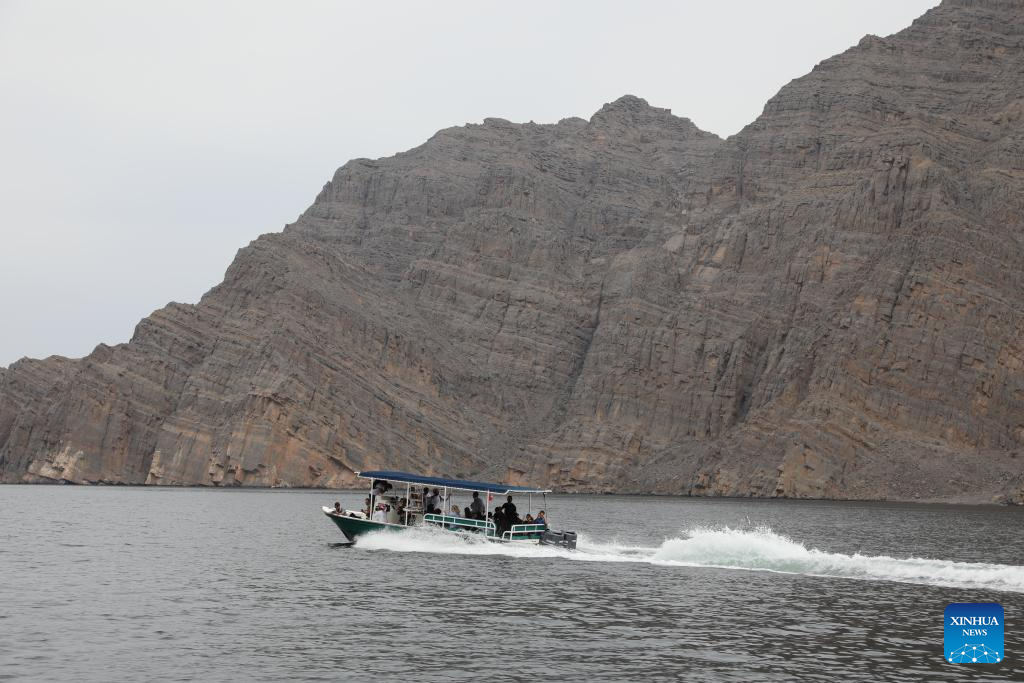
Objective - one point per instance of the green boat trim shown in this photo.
(460, 523)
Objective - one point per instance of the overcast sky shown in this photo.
(143, 143)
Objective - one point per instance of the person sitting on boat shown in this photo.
(499, 521)
(381, 513)
(366, 507)
(456, 513)
(541, 519)
(337, 508)
(528, 519)
(476, 508)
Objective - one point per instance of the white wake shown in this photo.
(757, 550)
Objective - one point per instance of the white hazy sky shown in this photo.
(143, 143)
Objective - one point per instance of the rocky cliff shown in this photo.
(828, 304)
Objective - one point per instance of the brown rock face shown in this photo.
(828, 304)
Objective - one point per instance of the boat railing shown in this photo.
(461, 522)
(521, 531)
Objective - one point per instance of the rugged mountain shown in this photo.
(828, 304)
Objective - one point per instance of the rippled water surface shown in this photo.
(181, 584)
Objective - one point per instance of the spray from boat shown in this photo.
(759, 549)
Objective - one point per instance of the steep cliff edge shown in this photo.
(828, 304)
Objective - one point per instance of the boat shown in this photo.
(388, 510)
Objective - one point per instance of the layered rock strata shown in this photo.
(828, 304)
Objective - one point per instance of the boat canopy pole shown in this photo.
(487, 512)
(408, 501)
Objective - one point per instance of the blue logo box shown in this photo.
(974, 633)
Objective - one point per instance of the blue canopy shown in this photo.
(450, 483)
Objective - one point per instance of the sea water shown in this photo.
(113, 583)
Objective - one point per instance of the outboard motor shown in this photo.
(562, 539)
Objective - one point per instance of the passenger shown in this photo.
(541, 519)
(337, 508)
(381, 513)
(400, 509)
(499, 521)
(511, 516)
(476, 507)
(366, 508)
(454, 512)
(433, 503)
(528, 519)
(380, 487)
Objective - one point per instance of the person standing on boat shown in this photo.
(511, 516)
(476, 508)
(433, 503)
